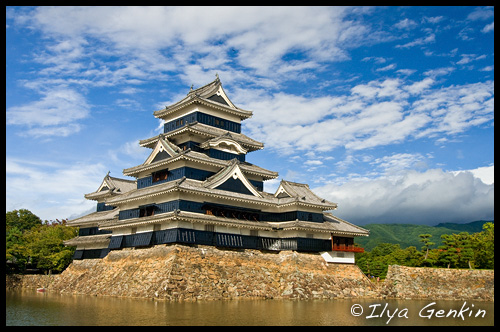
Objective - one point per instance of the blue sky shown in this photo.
(387, 111)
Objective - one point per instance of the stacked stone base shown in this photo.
(439, 284)
(177, 272)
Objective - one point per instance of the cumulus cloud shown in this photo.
(414, 197)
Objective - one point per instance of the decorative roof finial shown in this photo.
(216, 76)
(108, 173)
(191, 87)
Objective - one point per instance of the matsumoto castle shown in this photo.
(197, 188)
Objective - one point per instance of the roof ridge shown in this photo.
(215, 82)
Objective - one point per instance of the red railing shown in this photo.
(344, 247)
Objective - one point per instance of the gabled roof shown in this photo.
(300, 192)
(111, 186)
(212, 95)
(231, 171)
(163, 149)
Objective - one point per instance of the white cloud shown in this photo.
(456, 108)
(426, 197)
(386, 68)
(419, 41)
(406, 24)
(485, 174)
(488, 27)
(481, 13)
(56, 113)
(64, 184)
(377, 113)
(254, 37)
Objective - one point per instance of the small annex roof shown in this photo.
(89, 240)
(94, 218)
(212, 95)
(340, 225)
(231, 172)
(111, 186)
(300, 192)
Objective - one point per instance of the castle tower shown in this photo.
(197, 187)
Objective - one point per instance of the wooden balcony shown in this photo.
(344, 247)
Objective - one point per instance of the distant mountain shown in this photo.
(408, 234)
(472, 227)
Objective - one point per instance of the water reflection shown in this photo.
(30, 308)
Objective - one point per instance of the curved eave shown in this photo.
(92, 219)
(185, 216)
(248, 143)
(134, 171)
(193, 99)
(99, 239)
(331, 218)
(100, 195)
(227, 222)
(323, 227)
(178, 186)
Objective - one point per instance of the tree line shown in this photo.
(460, 250)
(33, 245)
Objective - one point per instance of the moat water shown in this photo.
(28, 307)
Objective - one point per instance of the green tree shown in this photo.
(22, 220)
(426, 239)
(17, 222)
(45, 245)
(483, 245)
(31, 242)
(457, 250)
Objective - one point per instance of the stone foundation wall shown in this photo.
(438, 284)
(177, 272)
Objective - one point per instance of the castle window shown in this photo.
(160, 175)
(146, 211)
